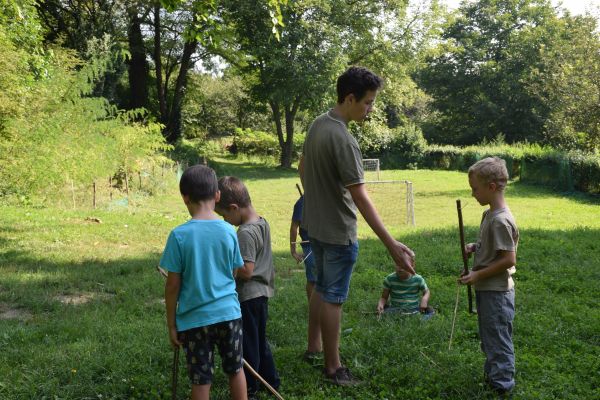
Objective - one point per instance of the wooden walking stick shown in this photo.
(174, 374)
(299, 190)
(465, 256)
(260, 378)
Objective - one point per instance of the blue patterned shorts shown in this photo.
(199, 344)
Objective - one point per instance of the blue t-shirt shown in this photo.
(297, 216)
(205, 253)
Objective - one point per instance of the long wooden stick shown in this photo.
(430, 360)
(162, 272)
(305, 257)
(260, 378)
(465, 256)
(454, 317)
(175, 373)
(299, 190)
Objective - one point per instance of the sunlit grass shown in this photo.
(114, 344)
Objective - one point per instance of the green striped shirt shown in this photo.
(404, 294)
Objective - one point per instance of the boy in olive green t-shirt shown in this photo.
(494, 265)
(254, 281)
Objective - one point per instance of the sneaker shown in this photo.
(342, 377)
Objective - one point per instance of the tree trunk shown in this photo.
(288, 146)
(160, 89)
(173, 127)
(278, 128)
(277, 119)
(138, 67)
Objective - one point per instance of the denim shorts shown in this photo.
(309, 263)
(199, 344)
(333, 265)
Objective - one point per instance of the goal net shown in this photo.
(394, 202)
(371, 169)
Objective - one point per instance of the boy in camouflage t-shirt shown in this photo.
(494, 265)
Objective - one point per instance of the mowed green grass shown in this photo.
(82, 316)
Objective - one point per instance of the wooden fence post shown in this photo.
(73, 193)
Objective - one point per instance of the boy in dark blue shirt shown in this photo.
(307, 257)
(309, 267)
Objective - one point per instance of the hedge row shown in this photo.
(529, 163)
(259, 143)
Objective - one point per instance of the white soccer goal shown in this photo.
(394, 201)
(371, 168)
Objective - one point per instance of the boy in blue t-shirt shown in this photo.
(201, 301)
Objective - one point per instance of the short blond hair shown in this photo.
(491, 170)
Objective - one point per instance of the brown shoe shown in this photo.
(342, 377)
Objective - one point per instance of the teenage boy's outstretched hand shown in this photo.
(402, 256)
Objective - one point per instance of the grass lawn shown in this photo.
(81, 315)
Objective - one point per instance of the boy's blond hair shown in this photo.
(491, 170)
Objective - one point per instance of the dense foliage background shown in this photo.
(102, 90)
(104, 102)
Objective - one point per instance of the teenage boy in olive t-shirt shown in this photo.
(331, 170)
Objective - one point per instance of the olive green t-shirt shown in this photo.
(332, 162)
(255, 246)
(498, 231)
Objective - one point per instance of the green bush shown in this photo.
(250, 142)
(585, 171)
(263, 144)
(373, 136)
(57, 134)
(397, 147)
(528, 162)
(406, 148)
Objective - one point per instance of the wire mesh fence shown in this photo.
(121, 190)
(371, 169)
(394, 201)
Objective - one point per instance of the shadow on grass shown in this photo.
(529, 190)
(117, 344)
(557, 298)
(251, 171)
(516, 189)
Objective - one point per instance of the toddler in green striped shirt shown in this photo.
(404, 289)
